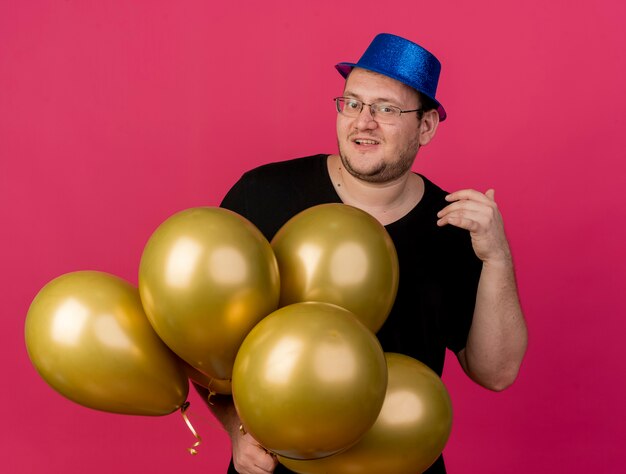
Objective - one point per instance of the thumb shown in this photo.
(491, 193)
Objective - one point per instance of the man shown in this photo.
(457, 284)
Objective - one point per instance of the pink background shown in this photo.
(116, 114)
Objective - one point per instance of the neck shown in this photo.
(387, 202)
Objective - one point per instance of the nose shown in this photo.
(365, 120)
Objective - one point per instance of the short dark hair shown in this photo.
(427, 104)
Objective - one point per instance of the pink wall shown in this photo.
(114, 115)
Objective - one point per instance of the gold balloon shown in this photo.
(338, 254)
(223, 387)
(410, 433)
(88, 337)
(309, 380)
(206, 277)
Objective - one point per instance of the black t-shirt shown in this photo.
(439, 271)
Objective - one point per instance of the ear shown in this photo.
(428, 126)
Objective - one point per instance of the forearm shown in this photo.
(498, 337)
(249, 457)
(222, 408)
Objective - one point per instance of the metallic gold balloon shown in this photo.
(222, 387)
(89, 338)
(410, 433)
(338, 254)
(309, 380)
(206, 277)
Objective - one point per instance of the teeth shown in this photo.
(366, 142)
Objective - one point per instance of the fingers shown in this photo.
(469, 209)
(266, 461)
(262, 461)
(466, 205)
(465, 219)
(479, 214)
(472, 195)
(250, 457)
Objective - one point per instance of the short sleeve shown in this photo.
(235, 199)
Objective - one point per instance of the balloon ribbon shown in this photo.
(212, 393)
(183, 411)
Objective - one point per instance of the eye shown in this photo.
(352, 104)
(386, 109)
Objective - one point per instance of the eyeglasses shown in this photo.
(383, 113)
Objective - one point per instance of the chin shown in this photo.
(377, 175)
(355, 167)
(378, 172)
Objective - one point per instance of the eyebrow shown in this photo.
(347, 93)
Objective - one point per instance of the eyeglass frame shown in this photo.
(372, 111)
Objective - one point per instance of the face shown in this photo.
(376, 152)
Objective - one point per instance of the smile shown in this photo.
(365, 141)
